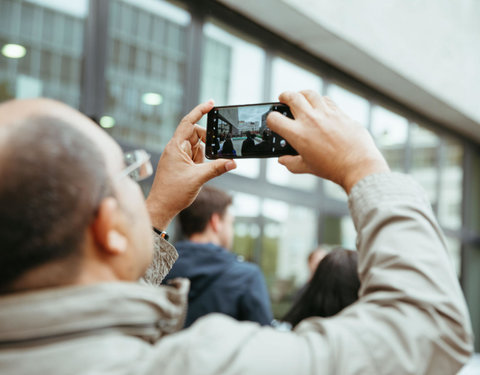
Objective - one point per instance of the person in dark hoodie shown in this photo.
(220, 281)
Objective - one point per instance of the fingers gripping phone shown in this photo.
(241, 131)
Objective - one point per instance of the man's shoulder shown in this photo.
(244, 267)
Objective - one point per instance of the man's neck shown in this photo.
(205, 237)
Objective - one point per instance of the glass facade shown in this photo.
(280, 217)
(145, 71)
(42, 49)
(390, 132)
(425, 158)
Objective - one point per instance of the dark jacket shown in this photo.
(220, 282)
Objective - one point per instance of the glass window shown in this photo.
(332, 190)
(245, 205)
(36, 59)
(246, 209)
(145, 71)
(233, 70)
(450, 199)
(339, 231)
(280, 175)
(287, 76)
(289, 236)
(424, 145)
(390, 133)
(353, 105)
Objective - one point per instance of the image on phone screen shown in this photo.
(242, 132)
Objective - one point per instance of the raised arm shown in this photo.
(410, 317)
(181, 171)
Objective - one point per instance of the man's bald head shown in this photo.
(54, 175)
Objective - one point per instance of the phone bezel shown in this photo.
(288, 150)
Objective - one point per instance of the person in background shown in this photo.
(248, 145)
(314, 258)
(227, 147)
(265, 146)
(219, 281)
(333, 286)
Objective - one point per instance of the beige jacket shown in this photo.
(411, 317)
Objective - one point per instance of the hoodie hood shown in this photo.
(56, 313)
(201, 264)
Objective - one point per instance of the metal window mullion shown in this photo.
(94, 59)
(195, 41)
(467, 225)
(408, 152)
(440, 169)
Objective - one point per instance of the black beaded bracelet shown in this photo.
(161, 233)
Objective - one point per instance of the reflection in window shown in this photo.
(280, 175)
(339, 231)
(41, 43)
(450, 200)
(232, 74)
(246, 208)
(287, 76)
(232, 68)
(145, 71)
(284, 256)
(390, 133)
(424, 145)
(353, 105)
(245, 238)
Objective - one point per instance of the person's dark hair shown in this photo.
(194, 219)
(53, 178)
(333, 287)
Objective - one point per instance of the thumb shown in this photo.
(295, 164)
(284, 126)
(215, 168)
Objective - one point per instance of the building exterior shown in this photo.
(137, 66)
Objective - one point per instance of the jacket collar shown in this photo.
(139, 310)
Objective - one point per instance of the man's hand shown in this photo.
(181, 171)
(329, 143)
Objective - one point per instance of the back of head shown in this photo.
(333, 287)
(53, 178)
(194, 219)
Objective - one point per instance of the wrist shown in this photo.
(161, 233)
(159, 217)
(375, 167)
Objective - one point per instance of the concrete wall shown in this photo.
(434, 43)
(424, 53)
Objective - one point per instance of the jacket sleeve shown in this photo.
(255, 301)
(411, 317)
(164, 256)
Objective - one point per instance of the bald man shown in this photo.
(76, 236)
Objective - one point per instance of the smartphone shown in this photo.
(241, 131)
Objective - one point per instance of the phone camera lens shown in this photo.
(283, 143)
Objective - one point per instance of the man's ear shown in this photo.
(107, 228)
(215, 222)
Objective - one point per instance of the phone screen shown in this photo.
(242, 132)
